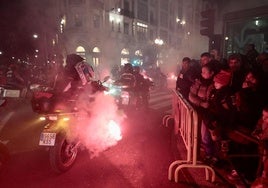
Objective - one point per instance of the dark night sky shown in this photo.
(19, 20)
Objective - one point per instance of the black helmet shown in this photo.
(136, 69)
(72, 59)
(128, 68)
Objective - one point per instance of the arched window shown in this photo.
(138, 60)
(96, 56)
(80, 50)
(125, 56)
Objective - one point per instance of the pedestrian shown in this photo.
(238, 70)
(199, 98)
(185, 78)
(219, 114)
(249, 101)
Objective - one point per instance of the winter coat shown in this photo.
(184, 81)
(200, 92)
(221, 109)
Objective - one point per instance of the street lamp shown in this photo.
(159, 42)
(35, 36)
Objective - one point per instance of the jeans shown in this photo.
(206, 140)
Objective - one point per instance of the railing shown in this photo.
(186, 124)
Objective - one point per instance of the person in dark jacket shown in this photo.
(185, 78)
(199, 98)
(249, 101)
(219, 116)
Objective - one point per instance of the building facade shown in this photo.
(115, 32)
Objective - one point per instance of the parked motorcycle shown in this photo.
(10, 91)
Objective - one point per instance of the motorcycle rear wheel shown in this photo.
(63, 155)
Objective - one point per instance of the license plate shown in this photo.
(47, 139)
(11, 93)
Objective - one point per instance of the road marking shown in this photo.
(5, 120)
(161, 100)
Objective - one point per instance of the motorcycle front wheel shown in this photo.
(63, 155)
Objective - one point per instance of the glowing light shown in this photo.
(42, 118)
(158, 41)
(142, 25)
(114, 130)
(66, 119)
(226, 38)
(35, 36)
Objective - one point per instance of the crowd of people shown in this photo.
(227, 94)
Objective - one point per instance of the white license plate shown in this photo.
(11, 93)
(47, 139)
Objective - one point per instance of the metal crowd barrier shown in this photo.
(186, 124)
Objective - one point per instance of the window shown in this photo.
(164, 19)
(78, 20)
(96, 21)
(126, 28)
(119, 27)
(80, 50)
(96, 56)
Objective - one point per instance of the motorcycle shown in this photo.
(127, 96)
(10, 91)
(63, 149)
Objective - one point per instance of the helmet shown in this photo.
(136, 69)
(128, 68)
(71, 61)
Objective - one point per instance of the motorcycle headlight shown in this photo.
(54, 118)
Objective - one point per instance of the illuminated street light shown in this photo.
(35, 36)
(158, 41)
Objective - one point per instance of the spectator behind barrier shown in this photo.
(220, 111)
(238, 71)
(199, 98)
(185, 78)
(249, 101)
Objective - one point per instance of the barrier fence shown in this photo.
(186, 125)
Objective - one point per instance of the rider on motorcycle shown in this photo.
(68, 86)
(127, 77)
(142, 85)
